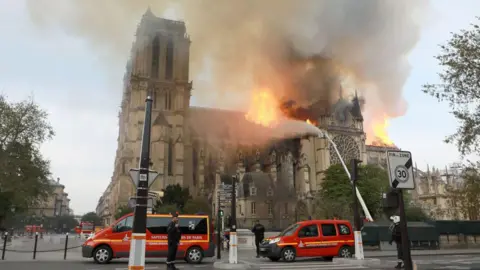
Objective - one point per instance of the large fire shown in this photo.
(380, 134)
(264, 108)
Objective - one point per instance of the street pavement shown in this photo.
(51, 247)
(440, 262)
(19, 256)
(90, 265)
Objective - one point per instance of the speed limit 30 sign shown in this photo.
(400, 169)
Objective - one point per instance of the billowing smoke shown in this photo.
(303, 49)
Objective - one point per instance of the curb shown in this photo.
(425, 254)
(368, 262)
(226, 265)
(365, 262)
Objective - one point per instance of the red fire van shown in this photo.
(114, 241)
(311, 238)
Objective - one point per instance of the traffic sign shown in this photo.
(132, 202)
(135, 176)
(400, 169)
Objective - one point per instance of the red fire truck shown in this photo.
(85, 228)
(32, 229)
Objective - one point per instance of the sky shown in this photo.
(82, 96)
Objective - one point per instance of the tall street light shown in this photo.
(137, 245)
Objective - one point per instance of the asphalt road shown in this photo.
(450, 262)
(424, 263)
(88, 265)
(19, 257)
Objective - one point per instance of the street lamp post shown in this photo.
(138, 242)
(233, 229)
(356, 214)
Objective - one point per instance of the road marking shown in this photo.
(312, 266)
(163, 267)
(146, 268)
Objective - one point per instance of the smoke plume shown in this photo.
(301, 49)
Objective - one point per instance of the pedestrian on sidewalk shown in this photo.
(397, 238)
(174, 235)
(259, 231)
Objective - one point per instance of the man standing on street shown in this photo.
(397, 238)
(259, 231)
(174, 235)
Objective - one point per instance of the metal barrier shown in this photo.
(35, 247)
(422, 235)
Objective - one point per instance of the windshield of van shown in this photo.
(290, 230)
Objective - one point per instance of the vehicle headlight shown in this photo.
(275, 240)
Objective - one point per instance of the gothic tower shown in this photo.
(158, 67)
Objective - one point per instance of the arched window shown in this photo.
(306, 174)
(170, 156)
(124, 167)
(169, 60)
(168, 100)
(155, 57)
(154, 97)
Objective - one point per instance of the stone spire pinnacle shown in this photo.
(149, 12)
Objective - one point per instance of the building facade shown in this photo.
(198, 147)
(103, 206)
(433, 192)
(57, 204)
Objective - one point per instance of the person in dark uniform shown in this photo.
(397, 238)
(174, 235)
(259, 231)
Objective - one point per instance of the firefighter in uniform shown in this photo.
(397, 238)
(259, 231)
(174, 235)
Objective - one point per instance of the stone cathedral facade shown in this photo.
(200, 147)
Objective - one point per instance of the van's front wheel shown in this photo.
(194, 255)
(288, 254)
(102, 254)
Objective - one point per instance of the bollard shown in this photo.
(35, 246)
(4, 246)
(66, 246)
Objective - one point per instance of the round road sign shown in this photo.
(401, 174)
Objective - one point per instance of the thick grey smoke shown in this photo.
(301, 49)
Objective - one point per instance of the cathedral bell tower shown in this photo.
(159, 68)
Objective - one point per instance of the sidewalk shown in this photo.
(393, 253)
(250, 254)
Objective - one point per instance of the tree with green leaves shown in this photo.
(464, 198)
(176, 195)
(197, 205)
(336, 196)
(92, 217)
(167, 209)
(192, 206)
(122, 210)
(24, 172)
(459, 86)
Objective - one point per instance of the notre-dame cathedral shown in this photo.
(198, 147)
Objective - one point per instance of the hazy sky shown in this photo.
(82, 96)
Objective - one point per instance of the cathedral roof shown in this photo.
(226, 124)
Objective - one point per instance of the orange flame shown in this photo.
(313, 123)
(380, 132)
(264, 108)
